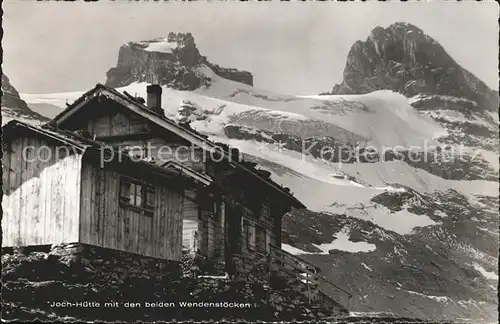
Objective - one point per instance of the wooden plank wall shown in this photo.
(169, 236)
(117, 124)
(41, 194)
(219, 229)
(247, 220)
(106, 223)
(269, 222)
(263, 220)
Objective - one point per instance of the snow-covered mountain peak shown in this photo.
(165, 44)
(171, 61)
(160, 45)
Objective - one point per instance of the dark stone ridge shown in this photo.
(404, 59)
(440, 161)
(173, 64)
(10, 96)
(232, 74)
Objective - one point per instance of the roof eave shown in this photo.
(207, 181)
(37, 130)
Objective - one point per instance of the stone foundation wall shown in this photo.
(75, 282)
(119, 263)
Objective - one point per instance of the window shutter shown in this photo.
(125, 192)
(251, 236)
(150, 198)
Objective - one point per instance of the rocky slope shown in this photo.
(167, 61)
(446, 271)
(404, 59)
(411, 230)
(14, 107)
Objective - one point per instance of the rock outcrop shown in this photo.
(444, 164)
(14, 107)
(404, 59)
(232, 74)
(170, 61)
(10, 96)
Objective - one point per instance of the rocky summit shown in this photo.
(14, 107)
(411, 231)
(169, 61)
(404, 59)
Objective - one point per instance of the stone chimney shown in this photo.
(235, 154)
(153, 101)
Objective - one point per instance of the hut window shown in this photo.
(136, 193)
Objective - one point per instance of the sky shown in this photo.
(292, 48)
